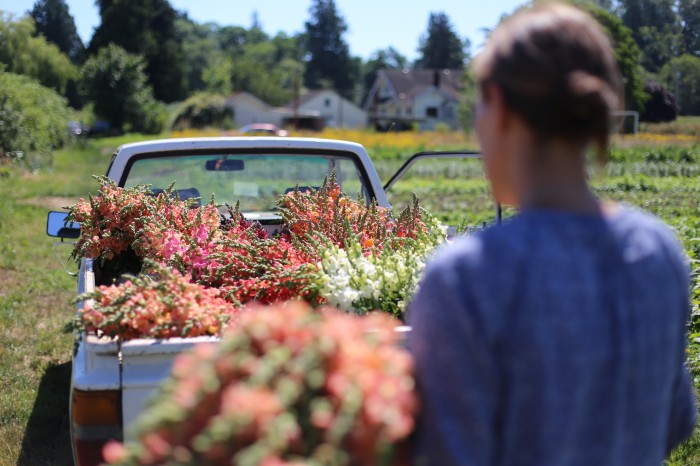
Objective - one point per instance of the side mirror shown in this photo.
(57, 226)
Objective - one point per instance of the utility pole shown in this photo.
(295, 111)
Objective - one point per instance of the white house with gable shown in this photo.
(336, 111)
(400, 99)
(248, 109)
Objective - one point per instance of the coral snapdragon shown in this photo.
(286, 385)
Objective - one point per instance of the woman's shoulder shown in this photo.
(642, 234)
(538, 233)
(486, 253)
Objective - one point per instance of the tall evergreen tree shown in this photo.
(53, 21)
(146, 28)
(441, 47)
(329, 62)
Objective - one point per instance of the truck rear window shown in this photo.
(255, 180)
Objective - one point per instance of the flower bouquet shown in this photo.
(286, 385)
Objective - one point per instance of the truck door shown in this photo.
(449, 185)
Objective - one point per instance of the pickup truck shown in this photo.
(112, 380)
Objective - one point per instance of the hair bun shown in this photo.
(589, 96)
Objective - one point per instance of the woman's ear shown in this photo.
(501, 113)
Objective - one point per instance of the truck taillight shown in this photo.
(96, 419)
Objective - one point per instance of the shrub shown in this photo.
(203, 110)
(33, 121)
(116, 83)
(661, 105)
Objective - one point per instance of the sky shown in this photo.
(372, 24)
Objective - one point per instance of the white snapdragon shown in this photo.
(357, 282)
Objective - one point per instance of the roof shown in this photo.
(310, 95)
(409, 83)
(246, 95)
(302, 99)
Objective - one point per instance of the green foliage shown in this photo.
(199, 45)
(33, 121)
(115, 82)
(203, 110)
(657, 154)
(688, 69)
(220, 60)
(627, 53)
(655, 26)
(689, 11)
(441, 47)
(217, 76)
(23, 53)
(53, 21)
(268, 71)
(329, 62)
(147, 28)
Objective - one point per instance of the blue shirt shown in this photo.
(554, 339)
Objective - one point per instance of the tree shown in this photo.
(328, 61)
(23, 53)
(115, 82)
(266, 72)
(689, 12)
(604, 4)
(34, 120)
(686, 70)
(200, 45)
(656, 29)
(53, 21)
(217, 75)
(147, 28)
(441, 47)
(627, 53)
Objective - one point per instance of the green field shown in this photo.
(35, 293)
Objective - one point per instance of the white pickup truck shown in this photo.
(111, 380)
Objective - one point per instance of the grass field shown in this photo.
(656, 172)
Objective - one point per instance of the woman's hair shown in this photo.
(556, 69)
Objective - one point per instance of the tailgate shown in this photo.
(145, 365)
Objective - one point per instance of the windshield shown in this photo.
(255, 180)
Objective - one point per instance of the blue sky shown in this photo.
(373, 24)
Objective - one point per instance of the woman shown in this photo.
(558, 337)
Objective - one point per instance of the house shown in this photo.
(336, 111)
(400, 99)
(248, 109)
